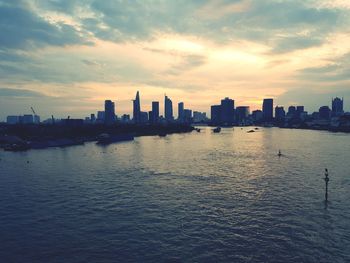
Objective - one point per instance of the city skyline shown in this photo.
(66, 57)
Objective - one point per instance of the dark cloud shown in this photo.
(21, 28)
(25, 93)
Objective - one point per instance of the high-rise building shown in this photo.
(199, 116)
(337, 106)
(324, 112)
(257, 116)
(137, 108)
(280, 114)
(227, 111)
(109, 112)
(181, 111)
(100, 117)
(300, 110)
(268, 110)
(168, 109)
(215, 114)
(92, 118)
(154, 114)
(242, 113)
(187, 118)
(144, 117)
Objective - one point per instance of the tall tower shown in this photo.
(337, 106)
(168, 109)
(109, 112)
(268, 109)
(181, 109)
(137, 108)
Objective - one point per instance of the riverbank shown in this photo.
(40, 136)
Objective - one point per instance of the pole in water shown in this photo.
(326, 179)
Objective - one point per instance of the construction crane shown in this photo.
(33, 110)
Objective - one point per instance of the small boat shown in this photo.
(250, 131)
(279, 153)
(198, 130)
(217, 130)
(256, 128)
(105, 138)
(162, 134)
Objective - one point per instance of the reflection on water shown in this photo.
(199, 197)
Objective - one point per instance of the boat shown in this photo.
(250, 131)
(279, 153)
(217, 130)
(198, 130)
(105, 138)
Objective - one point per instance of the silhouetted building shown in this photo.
(199, 116)
(268, 110)
(27, 119)
(227, 116)
(337, 106)
(324, 112)
(280, 114)
(92, 118)
(242, 113)
(299, 111)
(72, 122)
(100, 117)
(125, 118)
(215, 114)
(181, 111)
(257, 116)
(12, 119)
(154, 114)
(109, 112)
(187, 118)
(137, 108)
(143, 117)
(168, 109)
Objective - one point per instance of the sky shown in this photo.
(65, 57)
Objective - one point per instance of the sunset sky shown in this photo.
(66, 57)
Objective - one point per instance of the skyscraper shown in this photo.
(137, 108)
(268, 109)
(154, 116)
(109, 112)
(181, 108)
(227, 111)
(168, 109)
(242, 113)
(324, 112)
(215, 114)
(280, 114)
(337, 106)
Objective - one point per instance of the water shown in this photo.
(199, 197)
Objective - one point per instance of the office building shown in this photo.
(268, 110)
(109, 112)
(154, 114)
(227, 112)
(168, 109)
(137, 108)
(181, 111)
(242, 113)
(324, 113)
(215, 114)
(337, 107)
(280, 114)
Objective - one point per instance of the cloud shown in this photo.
(20, 93)
(23, 29)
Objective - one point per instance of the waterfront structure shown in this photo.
(109, 112)
(337, 107)
(168, 109)
(241, 114)
(268, 110)
(181, 109)
(227, 115)
(137, 108)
